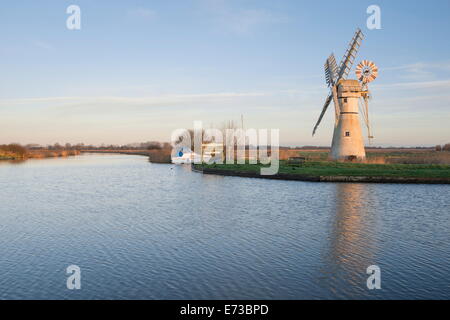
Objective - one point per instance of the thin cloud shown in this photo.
(237, 20)
(154, 100)
(436, 84)
(419, 66)
(420, 70)
(43, 45)
(144, 13)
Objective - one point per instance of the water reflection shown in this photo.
(9, 162)
(352, 241)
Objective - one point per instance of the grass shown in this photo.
(324, 168)
(35, 154)
(162, 155)
(378, 156)
(40, 154)
(5, 157)
(12, 151)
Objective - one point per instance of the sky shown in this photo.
(138, 70)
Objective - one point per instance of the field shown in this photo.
(378, 156)
(322, 168)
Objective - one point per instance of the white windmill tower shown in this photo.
(348, 142)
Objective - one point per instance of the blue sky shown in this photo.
(137, 70)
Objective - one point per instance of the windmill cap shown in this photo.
(348, 82)
(349, 86)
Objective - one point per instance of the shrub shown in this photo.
(154, 146)
(160, 156)
(15, 149)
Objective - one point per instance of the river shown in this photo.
(150, 231)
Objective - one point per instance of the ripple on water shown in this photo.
(148, 231)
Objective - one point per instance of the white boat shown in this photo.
(184, 156)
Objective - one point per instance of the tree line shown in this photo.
(445, 147)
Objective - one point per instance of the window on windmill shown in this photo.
(345, 100)
(347, 133)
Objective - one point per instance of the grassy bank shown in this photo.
(323, 168)
(12, 152)
(41, 154)
(17, 152)
(4, 157)
(155, 156)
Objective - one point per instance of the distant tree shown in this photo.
(154, 146)
(229, 141)
(14, 148)
(166, 145)
(79, 146)
(33, 146)
(438, 148)
(446, 147)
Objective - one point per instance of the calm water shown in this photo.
(147, 231)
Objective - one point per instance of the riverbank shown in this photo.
(338, 172)
(154, 156)
(42, 154)
(37, 154)
(3, 157)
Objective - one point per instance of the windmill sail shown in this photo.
(331, 70)
(324, 109)
(350, 55)
(342, 72)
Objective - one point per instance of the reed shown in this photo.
(160, 155)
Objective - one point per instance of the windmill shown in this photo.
(348, 143)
